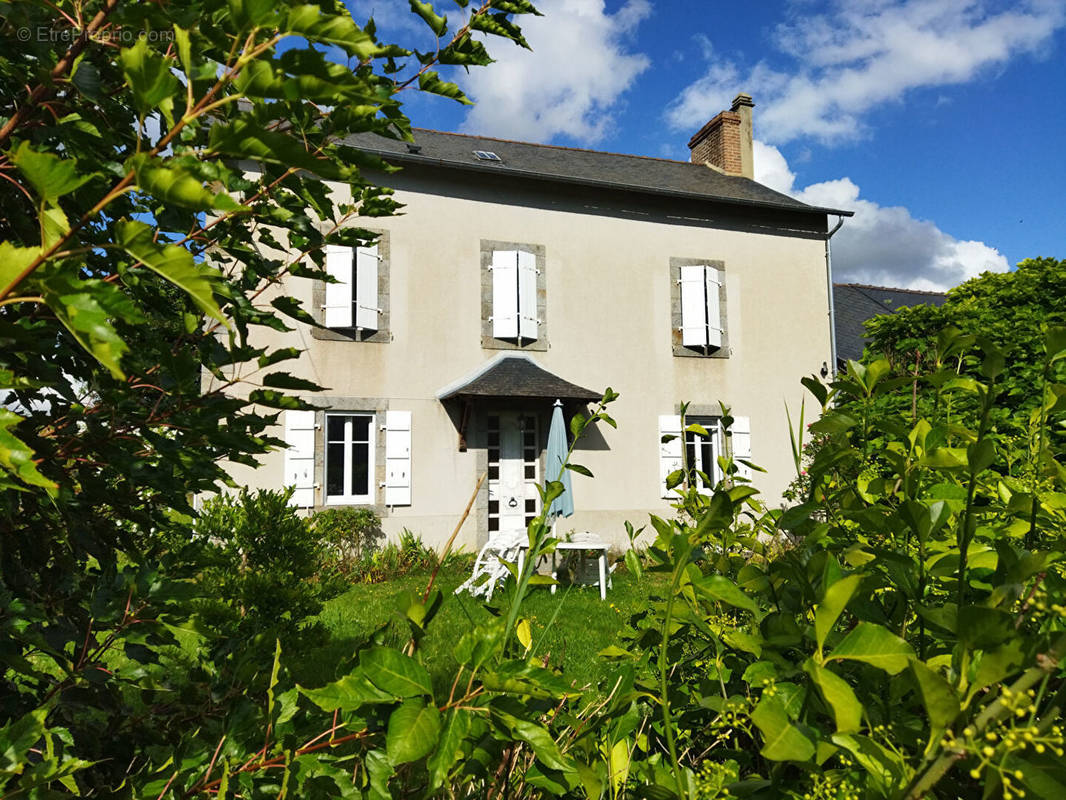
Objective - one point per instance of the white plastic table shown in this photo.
(581, 547)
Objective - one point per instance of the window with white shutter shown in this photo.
(355, 304)
(513, 296)
(300, 457)
(397, 458)
(699, 314)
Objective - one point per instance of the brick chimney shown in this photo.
(724, 143)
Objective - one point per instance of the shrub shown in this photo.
(270, 568)
(348, 532)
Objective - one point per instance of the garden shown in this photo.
(897, 630)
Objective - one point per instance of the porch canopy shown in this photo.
(516, 376)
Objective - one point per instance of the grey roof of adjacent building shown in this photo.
(516, 375)
(591, 168)
(854, 303)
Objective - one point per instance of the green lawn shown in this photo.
(569, 627)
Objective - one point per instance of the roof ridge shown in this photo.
(889, 288)
(558, 147)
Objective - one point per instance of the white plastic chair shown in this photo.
(489, 568)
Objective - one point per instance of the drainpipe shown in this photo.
(832, 309)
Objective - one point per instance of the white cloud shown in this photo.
(882, 245)
(865, 53)
(579, 67)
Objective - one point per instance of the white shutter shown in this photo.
(714, 307)
(366, 288)
(741, 431)
(670, 453)
(300, 457)
(505, 294)
(527, 295)
(397, 458)
(338, 305)
(693, 306)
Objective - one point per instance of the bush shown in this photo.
(269, 567)
(349, 533)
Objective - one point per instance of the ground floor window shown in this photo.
(702, 451)
(349, 458)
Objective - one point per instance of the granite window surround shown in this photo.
(383, 333)
(488, 341)
(680, 349)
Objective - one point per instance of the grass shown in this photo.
(568, 628)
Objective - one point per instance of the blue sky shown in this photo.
(942, 123)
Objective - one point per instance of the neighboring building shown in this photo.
(519, 274)
(855, 303)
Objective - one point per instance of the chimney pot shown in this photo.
(725, 143)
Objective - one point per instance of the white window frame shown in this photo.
(713, 426)
(348, 441)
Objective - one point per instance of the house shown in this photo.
(521, 274)
(855, 303)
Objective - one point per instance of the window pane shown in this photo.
(335, 428)
(360, 469)
(494, 438)
(707, 457)
(531, 472)
(494, 506)
(494, 523)
(360, 429)
(334, 469)
(494, 472)
(531, 505)
(494, 423)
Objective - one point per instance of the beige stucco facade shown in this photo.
(608, 312)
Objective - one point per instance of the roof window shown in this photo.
(487, 155)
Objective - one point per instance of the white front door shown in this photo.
(514, 456)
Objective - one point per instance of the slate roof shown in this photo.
(854, 303)
(516, 375)
(571, 165)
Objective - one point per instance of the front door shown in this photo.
(514, 455)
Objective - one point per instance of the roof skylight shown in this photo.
(487, 155)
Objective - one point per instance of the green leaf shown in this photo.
(436, 23)
(875, 645)
(1055, 342)
(174, 185)
(449, 748)
(174, 263)
(720, 588)
(392, 671)
(941, 703)
(984, 628)
(283, 380)
(782, 741)
(379, 769)
(838, 695)
(88, 309)
(16, 739)
(50, 176)
(150, 79)
(16, 456)
(347, 694)
(412, 732)
(537, 737)
(633, 564)
(431, 82)
(580, 470)
(833, 604)
(13, 262)
(338, 30)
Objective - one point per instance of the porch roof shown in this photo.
(515, 375)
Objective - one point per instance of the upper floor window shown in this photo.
(699, 308)
(513, 296)
(355, 304)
